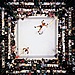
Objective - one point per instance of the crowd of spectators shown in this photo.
(30, 66)
(23, 13)
(41, 67)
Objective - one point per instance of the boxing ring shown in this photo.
(40, 46)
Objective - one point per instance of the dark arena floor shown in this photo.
(37, 37)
